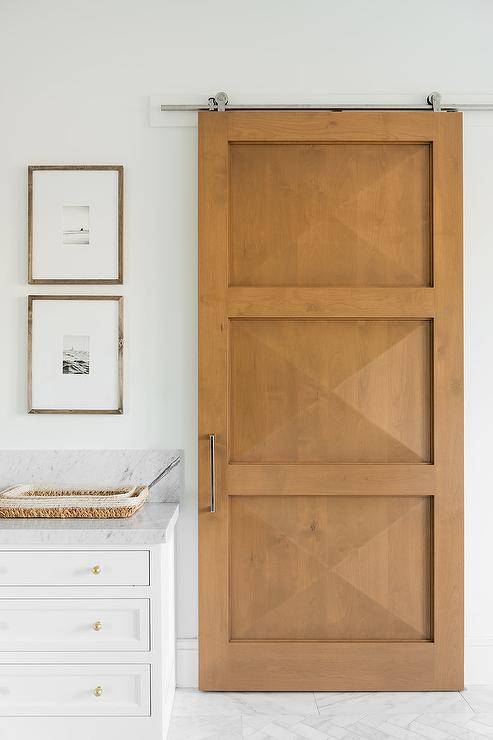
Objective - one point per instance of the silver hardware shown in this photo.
(217, 102)
(435, 100)
(222, 101)
(212, 461)
(433, 103)
(164, 472)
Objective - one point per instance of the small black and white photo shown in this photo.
(75, 355)
(75, 225)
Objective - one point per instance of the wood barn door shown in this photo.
(331, 376)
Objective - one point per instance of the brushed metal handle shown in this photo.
(96, 569)
(97, 626)
(98, 691)
(212, 460)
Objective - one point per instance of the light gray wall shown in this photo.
(76, 77)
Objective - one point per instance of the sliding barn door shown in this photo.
(331, 377)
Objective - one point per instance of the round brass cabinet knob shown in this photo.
(96, 569)
(98, 691)
(97, 626)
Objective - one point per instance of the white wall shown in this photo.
(76, 76)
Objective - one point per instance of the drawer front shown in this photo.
(74, 568)
(75, 690)
(74, 624)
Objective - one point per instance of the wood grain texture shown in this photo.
(330, 214)
(328, 480)
(330, 301)
(330, 568)
(350, 649)
(212, 377)
(330, 391)
(448, 401)
(332, 126)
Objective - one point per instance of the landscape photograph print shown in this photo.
(75, 225)
(75, 355)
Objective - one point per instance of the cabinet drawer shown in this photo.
(74, 624)
(74, 568)
(75, 690)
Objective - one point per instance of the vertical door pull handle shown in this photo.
(212, 459)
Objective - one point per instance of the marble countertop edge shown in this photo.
(152, 524)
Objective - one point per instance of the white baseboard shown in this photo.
(478, 662)
(187, 663)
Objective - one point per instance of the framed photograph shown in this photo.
(75, 354)
(75, 224)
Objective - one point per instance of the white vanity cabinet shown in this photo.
(87, 634)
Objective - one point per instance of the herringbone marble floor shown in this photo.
(467, 715)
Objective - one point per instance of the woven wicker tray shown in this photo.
(32, 502)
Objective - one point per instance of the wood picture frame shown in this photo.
(117, 362)
(34, 277)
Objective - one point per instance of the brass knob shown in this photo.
(97, 626)
(96, 569)
(98, 691)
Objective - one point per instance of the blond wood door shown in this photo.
(330, 373)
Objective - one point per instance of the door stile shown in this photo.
(448, 402)
(212, 371)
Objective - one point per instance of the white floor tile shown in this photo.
(334, 727)
(277, 726)
(343, 715)
(379, 726)
(255, 722)
(397, 720)
(205, 728)
(305, 730)
(486, 718)
(273, 730)
(368, 727)
(189, 702)
(339, 720)
(399, 702)
(276, 703)
(430, 733)
(479, 698)
(454, 725)
(480, 725)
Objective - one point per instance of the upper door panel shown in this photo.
(334, 214)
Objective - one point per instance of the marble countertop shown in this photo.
(96, 468)
(152, 524)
